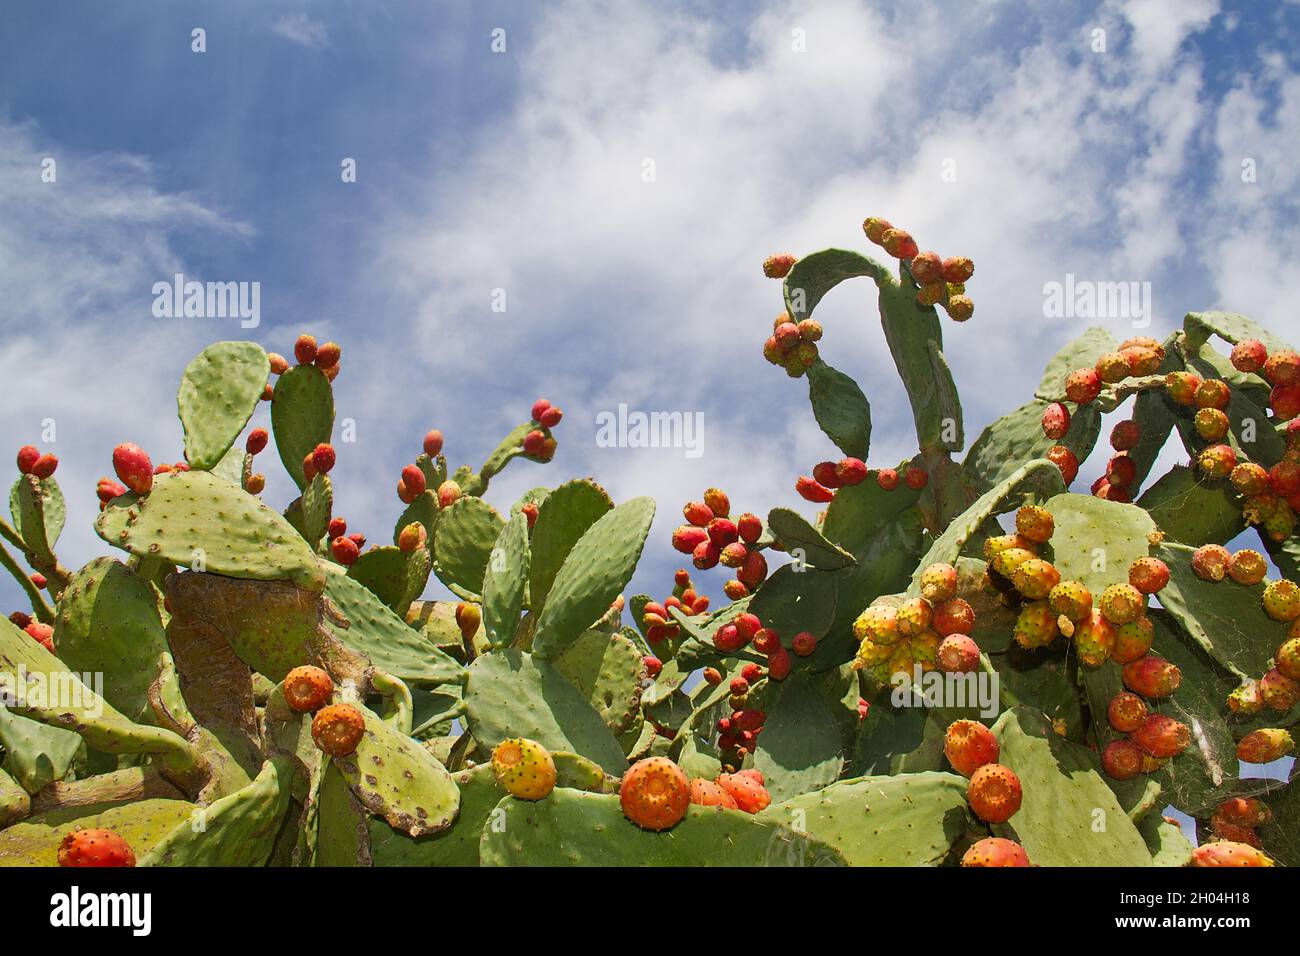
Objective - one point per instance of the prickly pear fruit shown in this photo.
(1066, 460)
(1125, 435)
(307, 688)
(879, 624)
(1071, 599)
(916, 478)
(953, 616)
(1248, 355)
(914, 616)
(448, 493)
(1213, 393)
(1244, 811)
(95, 847)
(969, 745)
(1121, 603)
(133, 467)
(960, 307)
(1133, 640)
(524, 768)
(1162, 736)
(1035, 578)
(414, 480)
(1265, 746)
(1056, 421)
(337, 729)
(1217, 461)
(899, 243)
(433, 443)
(995, 851)
(655, 793)
(1094, 639)
(1122, 759)
(804, 644)
(1148, 575)
(1083, 385)
(1279, 691)
(41, 633)
(778, 266)
(1211, 424)
(412, 537)
(887, 478)
(850, 471)
(1210, 562)
(718, 502)
(468, 618)
(1152, 676)
(1035, 625)
(748, 792)
(1126, 712)
(322, 458)
(706, 793)
(304, 349)
(1227, 853)
(1035, 523)
(345, 550)
(1282, 600)
(958, 654)
(994, 793)
(809, 489)
(938, 583)
(1287, 657)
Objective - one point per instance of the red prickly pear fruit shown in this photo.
(551, 417)
(323, 458)
(279, 364)
(163, 469)
(706, 793)
(722, 531)
(337, 729)
(876, 228)
(358, 539)
(700, 604)
(1122, 760)
(1265, 746)
(953, 616)
(994, 793)
(268, 393)
(1148, 575)
(995, 851)
(960, 308)
(1133, 640)
(1083, 385)
(533, 443)
(404, 494)
(1056, 421)
(307, 688)
(1121, 603)
(548, 450)
(1141, 360)
(448, 493)
(27, 458)
(752, 673)
(328, 355)
(958, 654)
(20, 619)
(1285, 401)
(1126, 712)
(1287, 657)
(344, 550)
(750, 527)
(332, 372)
(1094, 639)
(1210, 562)
(1279, 691)
(810, 489)
(412, 538)
(958, 269)
(45, 466)
(851, 471)
(927, 267)
(256, 441)
(304, 349)
(1213, 393)
(1283, 368)
(804, 644)
(916, 478)
(787, 336)
(539, 409)
(718, 502)
(1182, 387)
(734, 590)
(739, 686)
(689, 537)
(750, 795)
(706, 555)
(1162, 736)
(656, 634)
(824, 474)
(1036, 578)
(712, 676)
(1064, 459)
(728, 638)
(95, 847)
(748, 624)
(433, 443)
(337, 528)
(524, 768)
(133, 467)
(682, 577)
(887, 479)
(38, 580)
(767, 641)
(309, 467)
(1244, 811)
(697, 513)
(754, 570)
(1248, 355)
(969, 745)
(779, 663)
(468, 618)
(655, 793)
(652, 666)
(1227, 853)
(1282, 600)
(938, 582)
(1125, 435)
(42, 634)
(778, 266)
(1283, 478)
(898, 243)
(530, 511)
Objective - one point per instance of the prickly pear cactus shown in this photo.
(963, 658)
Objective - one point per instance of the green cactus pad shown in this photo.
(108, 623)
(455, 846)
(394, 576)
(342, 824)
(466, 532)
(797, 535)
(841, 409)
(399, 780)
(1096, 540)
(237, 830)
(302, 416)
(1069, 816)
(915, 341)
(235, 466)
(913, 819)
(576, 772)
(575, 828)
(505, 582)
(194, 514)
(597, 569)
(1191, 511)
(317, 507)
(562, 519)
(513, 694)
(1165, 840)
(1018, 437)
(1154, 413)
(800, 748)
(608, 670)
(860, 512)
(1229, 326)
(143, 824)
(14, 801)
(811, 277)
(792, 601)
(1082, 352)
(219, 391)
(36, 754)
(39, 512)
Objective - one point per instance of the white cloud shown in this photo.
(303, 30)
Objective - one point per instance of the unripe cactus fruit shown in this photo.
(932, 293)
(1056, 421)
(875, 228)
(1148, 575)
(1082, 385)
(307, 688)
(718, 502)
(914, 616)
(345, 551)
(1212, 393)
(1071, 599)
(994, 793)
(1287, 657)
(1094, 639)
(748, 791)
(953, 616)
(1227, 853)
(433, 443)
(1182, 387)
(322, 458)
(1152, 676)
(1122, 760)
(938, 583)
(1035, 625)
(655, 793)
(1125, 435)
(304, 349)
(1265, 746)
(327, 356)
(1007, 562)
(1211, 424)
(1247, 567)
(927, 267)
(448, 493)
(878, 624)
(1282, 600)
(899, 243)
(524, 768)
(1210, 562)
(468, 618)
(778, 266)
(1126, 712)
(958, 269)
(1133, 640)
(887, 479)
(969, 745)
(412, 537)
(94, 848)
(960, 307)
(958, 654)
(1283, 368)
(1162, 736)
(995, 851)
(1121, 603)
(133, 467)
(337, 729)
(810, 489)
(1064, 459)
(1036, 578)
(707, 793)
(1246, 700)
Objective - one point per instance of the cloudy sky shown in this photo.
(506, 146)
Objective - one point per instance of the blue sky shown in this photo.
(522, 171)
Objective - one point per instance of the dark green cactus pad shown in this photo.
(1018, 437)
(860, 512)
(394, 576)
(455, 846)
(1069, 815)
(466, 532)
(575, 828)
(237, 830)
(841, 409)
(108, 623)
(1165, 840)
(376, 632)
(35, 754)
(342, 824)
(302, 416)
(1043, 681)
(192, 516)
(1200, 326)
(506, 581)
(597, 569)
(1193, 511)
(562, 519)
(398, 779)
(800, 747)
(142, 824)
(1096, 540)
(915, 341)
(912, 819)
(798, 537)
(317, 508)
(608, 670)
(220, 389)
(810, 278)
(513, 694)
(39, 512)
(792, 601)
(1156, 419)
(1082, 352)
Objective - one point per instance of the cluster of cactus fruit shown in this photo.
(957, 660)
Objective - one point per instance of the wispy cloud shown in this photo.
(303, 30)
